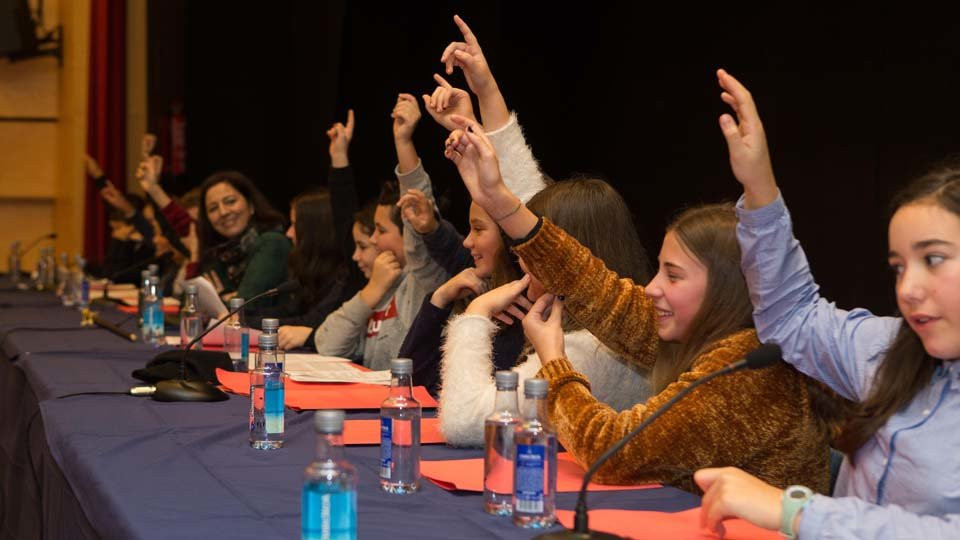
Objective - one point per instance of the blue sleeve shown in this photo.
(445, 247)
(850, 518)
(832, 345)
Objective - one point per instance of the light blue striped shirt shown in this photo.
(907, 480)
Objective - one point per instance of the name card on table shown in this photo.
(368, 431)
(314, 396)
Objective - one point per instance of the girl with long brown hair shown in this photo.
(692, 319)
(901, 475)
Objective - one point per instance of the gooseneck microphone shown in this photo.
(759, 358)
(183, 390)
(31, 245)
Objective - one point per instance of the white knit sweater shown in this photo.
(468, 389)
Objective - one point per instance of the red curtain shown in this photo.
(106, 124)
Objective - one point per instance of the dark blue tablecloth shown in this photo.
(144, 469)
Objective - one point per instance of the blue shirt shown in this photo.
(907, 480)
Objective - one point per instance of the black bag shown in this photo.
(197, 366)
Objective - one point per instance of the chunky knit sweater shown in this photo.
(760, 421)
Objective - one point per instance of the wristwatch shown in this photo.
(793, 500)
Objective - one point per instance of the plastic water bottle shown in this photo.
(269, 325)
(80, 282)
(329, 499)
(50, 276)
(62, 274)
(236, 338)
(68, 285)
(272, 326)
(266, 397)
(144, 287)
(400, 432)
(498, 448)
(191, 322)
(40, 274)
(153, 330)
(535, 469)
(14, 266)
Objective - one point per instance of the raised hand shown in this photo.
(468, 56)
(473, 153)
(386, 271)
(148, 172)
(406, 114)
(93, 168)
(730, 492)
(747, 143)
(114, 198)
(447, 101)
(543, 328)
(418, 209)
(147, 144)
(457, 287)
(340, 137)
(503, 302)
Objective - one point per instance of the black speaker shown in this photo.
(17, 34)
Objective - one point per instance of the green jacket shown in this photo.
(266, 268)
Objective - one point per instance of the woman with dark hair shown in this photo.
(240, 238)
(692, 319)
(901, 474)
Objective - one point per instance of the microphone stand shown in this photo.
(181, 389)
(759, 358)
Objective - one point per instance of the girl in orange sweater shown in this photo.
(693, 318)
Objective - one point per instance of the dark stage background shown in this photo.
(855, 101)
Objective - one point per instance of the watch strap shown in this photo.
(794, 499)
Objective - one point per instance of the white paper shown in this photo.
(330, 369)
(304, 361)
(211, 306)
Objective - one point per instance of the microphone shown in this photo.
(105, 297)
(184, 390)
(31, 245)
(763, 356)
(107, 325)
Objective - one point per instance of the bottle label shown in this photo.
(273, 403)
(154, 319)
(386, 447)
(530, 461)
(245, 347)
(328, 514)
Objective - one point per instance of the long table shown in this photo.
(116, 466)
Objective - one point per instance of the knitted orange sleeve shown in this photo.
(616, 311)
(717, 425)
